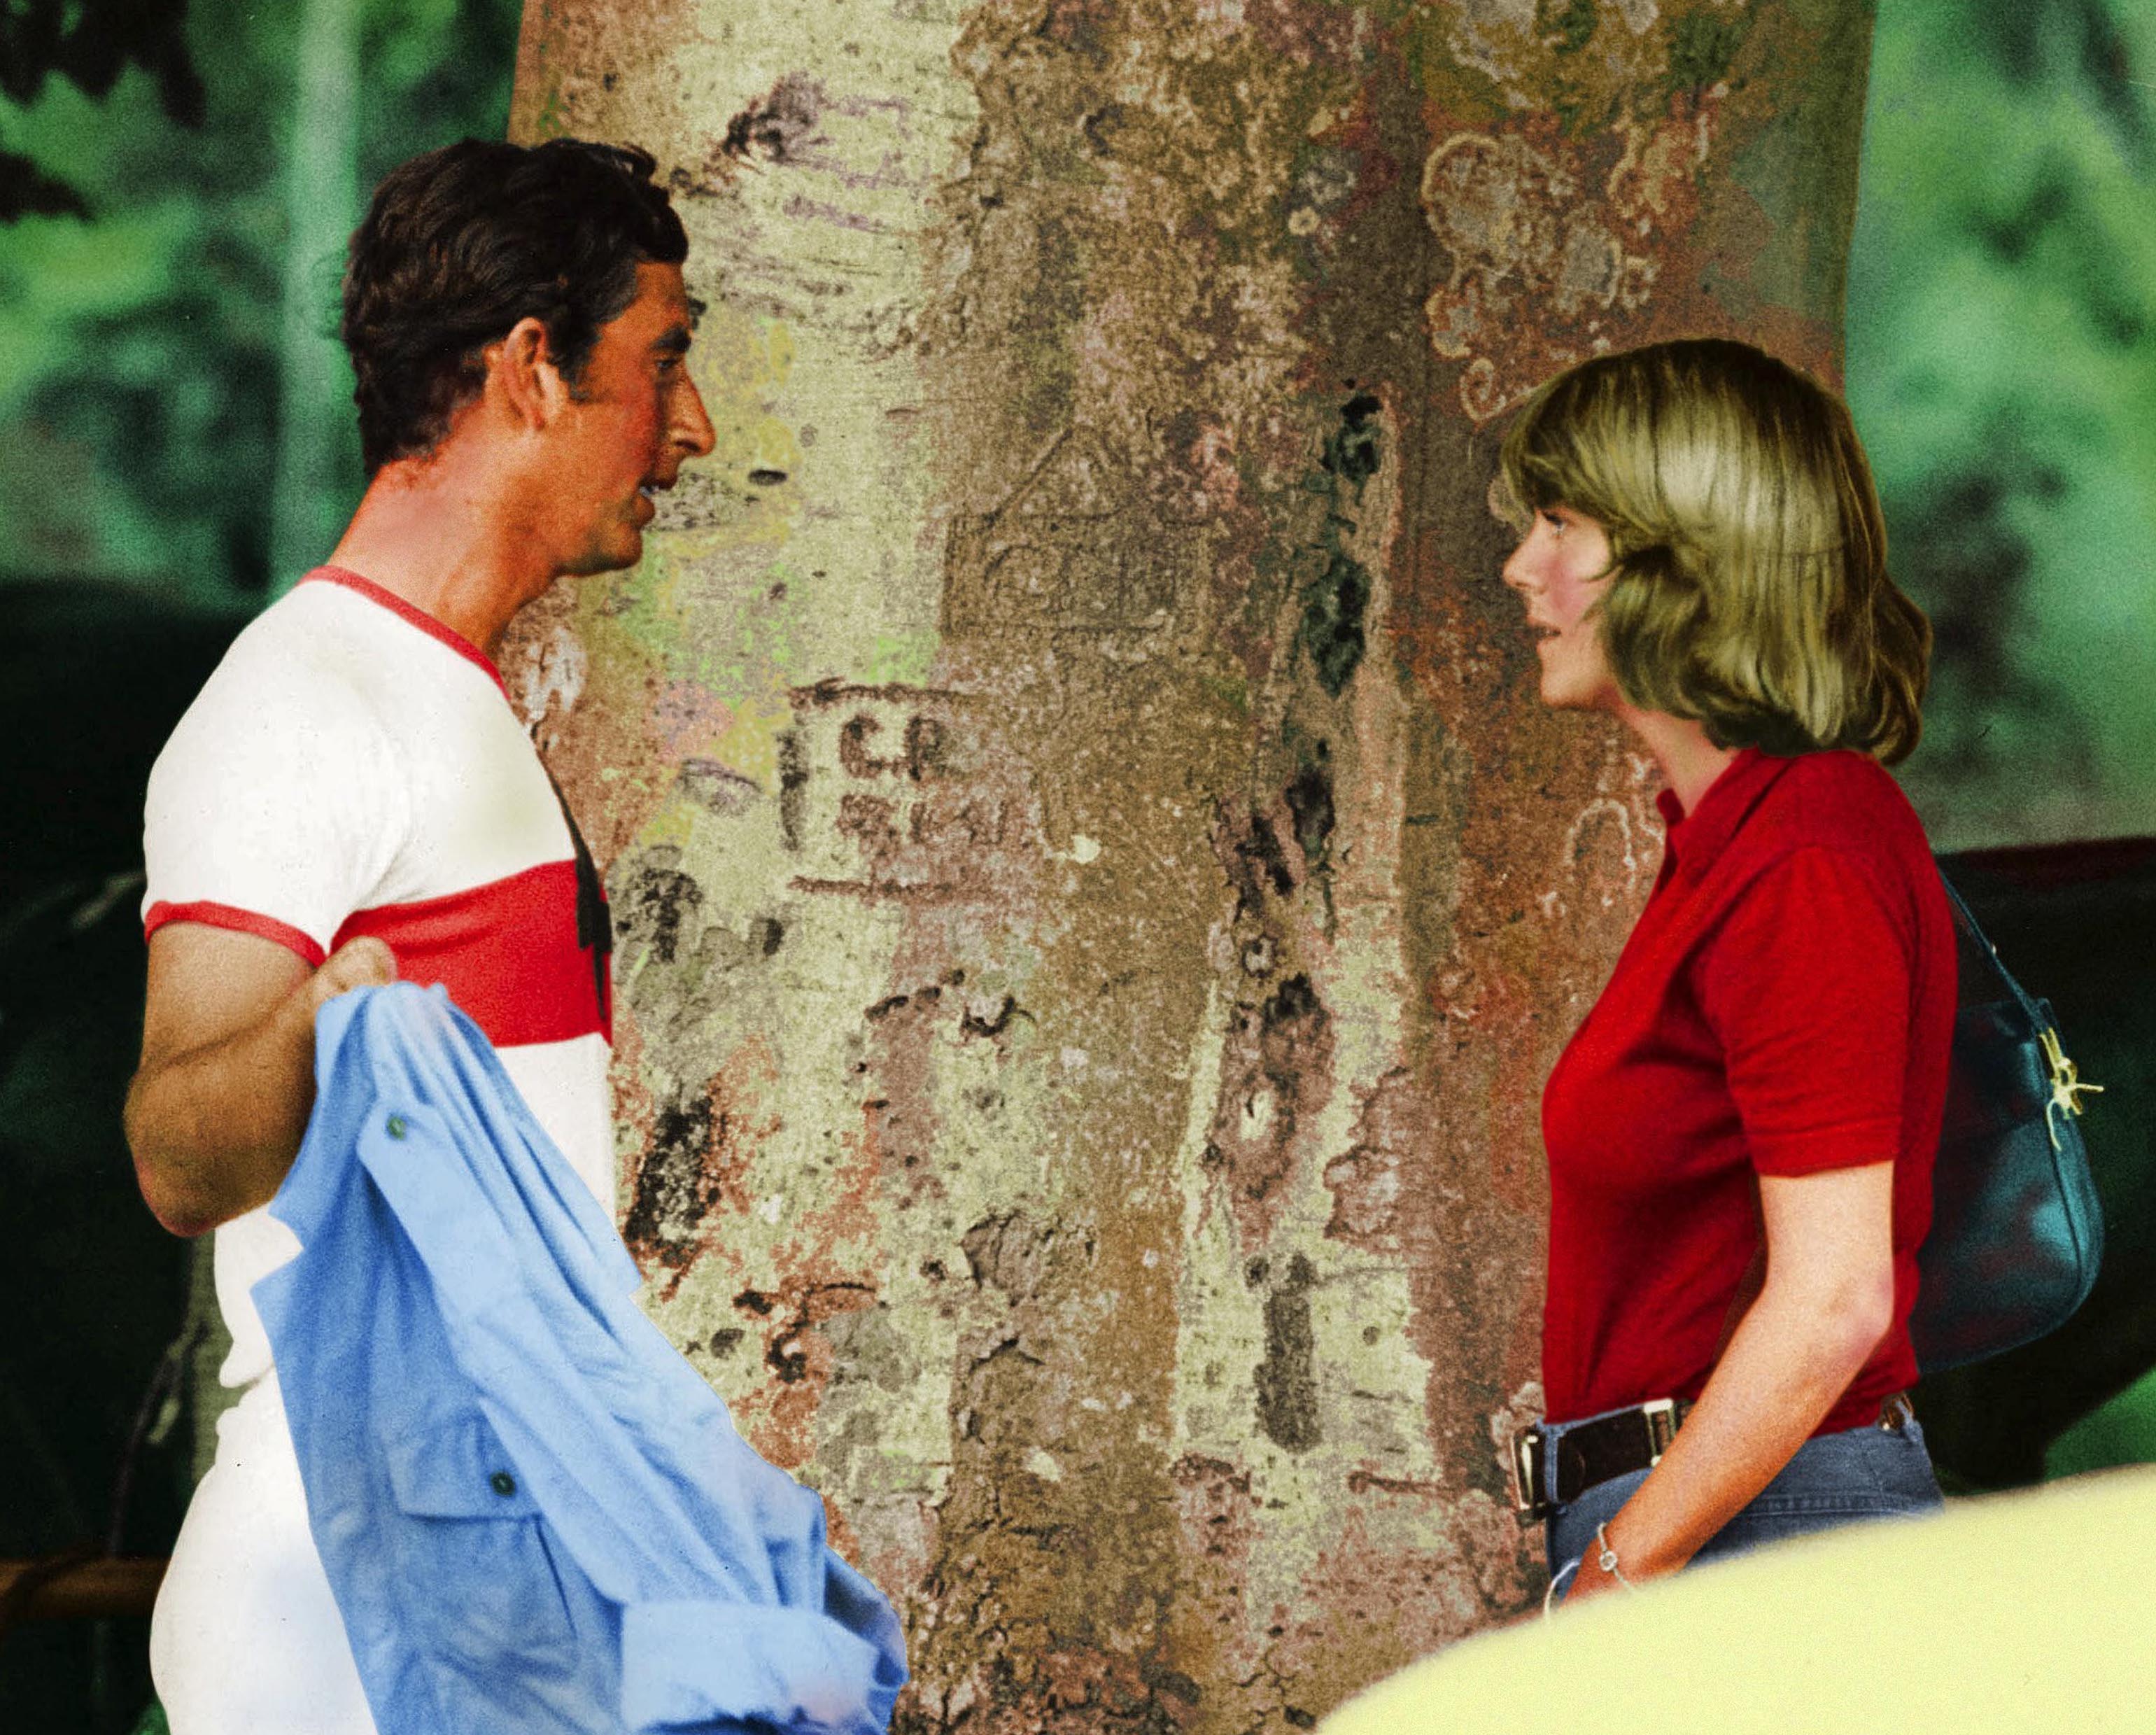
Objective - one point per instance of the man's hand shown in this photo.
(220, 1102)
(357, 963)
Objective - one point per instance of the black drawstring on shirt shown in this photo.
(594, 920)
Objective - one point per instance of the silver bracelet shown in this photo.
(1607, 1559)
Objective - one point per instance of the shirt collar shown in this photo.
(1697, 839)
(413, 614)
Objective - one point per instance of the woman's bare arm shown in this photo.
(1827, 1299)
(220, 1101)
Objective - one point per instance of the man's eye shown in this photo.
(1553, 521)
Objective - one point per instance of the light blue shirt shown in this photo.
(535, 1514)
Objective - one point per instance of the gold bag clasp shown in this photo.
(2066, 1086)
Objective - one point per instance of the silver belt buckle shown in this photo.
(1530, 1504)
(1660, 1416)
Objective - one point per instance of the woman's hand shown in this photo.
(1590, 1580)
(1827, 1299)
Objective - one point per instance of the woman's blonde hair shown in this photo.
(1749, 558)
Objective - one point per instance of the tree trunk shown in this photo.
(308, 502)
(1098, 894)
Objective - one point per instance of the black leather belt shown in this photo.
(1613, 1445)
(1589, 1452)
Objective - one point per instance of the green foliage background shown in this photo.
(138, 351)
(2002, 370)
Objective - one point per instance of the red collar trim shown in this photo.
(415, 616)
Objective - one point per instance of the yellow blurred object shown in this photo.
(2012, 1614)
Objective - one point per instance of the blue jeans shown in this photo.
(1834, 1479)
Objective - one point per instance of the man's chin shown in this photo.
(616, 555)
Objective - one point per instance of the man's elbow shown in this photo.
(168, 1185)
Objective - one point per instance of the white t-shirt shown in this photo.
(354, 766)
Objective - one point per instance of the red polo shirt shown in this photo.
(1785, 1005)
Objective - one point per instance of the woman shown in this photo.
(1740, 1134)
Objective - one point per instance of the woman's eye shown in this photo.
(1553, 521)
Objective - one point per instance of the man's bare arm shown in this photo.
(220, 1102)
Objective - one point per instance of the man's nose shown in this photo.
(692, 426)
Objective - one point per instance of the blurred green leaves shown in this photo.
(90, 43)
(139, 352)
(2002, 368)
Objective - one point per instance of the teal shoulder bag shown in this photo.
(2016, 1233)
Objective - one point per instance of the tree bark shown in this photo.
(1099, 895)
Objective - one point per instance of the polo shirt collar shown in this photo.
(1697, 839)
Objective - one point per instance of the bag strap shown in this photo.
(1965, 921)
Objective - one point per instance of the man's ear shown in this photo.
(519, 366)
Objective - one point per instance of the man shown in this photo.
(351, 796)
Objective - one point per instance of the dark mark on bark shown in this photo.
(788, 1358)
(1294, 1045)
(1568, 29)
(777, 124)
(970, 1025)
(673, 1189)
(1310, 800)
(1162, 1679)
(1287, 1378)
(1332, 630)
(754, 1299)
(1702, 48)
(1351, 450)
(1250, 851)
(652, 909)
(793, 779)
(717, 787)
(1333, 604)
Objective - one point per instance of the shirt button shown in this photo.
(396, 1126)
(502, 1482)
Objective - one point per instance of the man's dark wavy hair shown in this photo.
(461, 243)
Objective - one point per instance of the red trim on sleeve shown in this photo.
(238, 921)
(506, 952)
(415, 616)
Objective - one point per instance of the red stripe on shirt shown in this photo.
(238, 921)
(506, 952)
(416, 617)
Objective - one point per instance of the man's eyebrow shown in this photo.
(674, 341)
